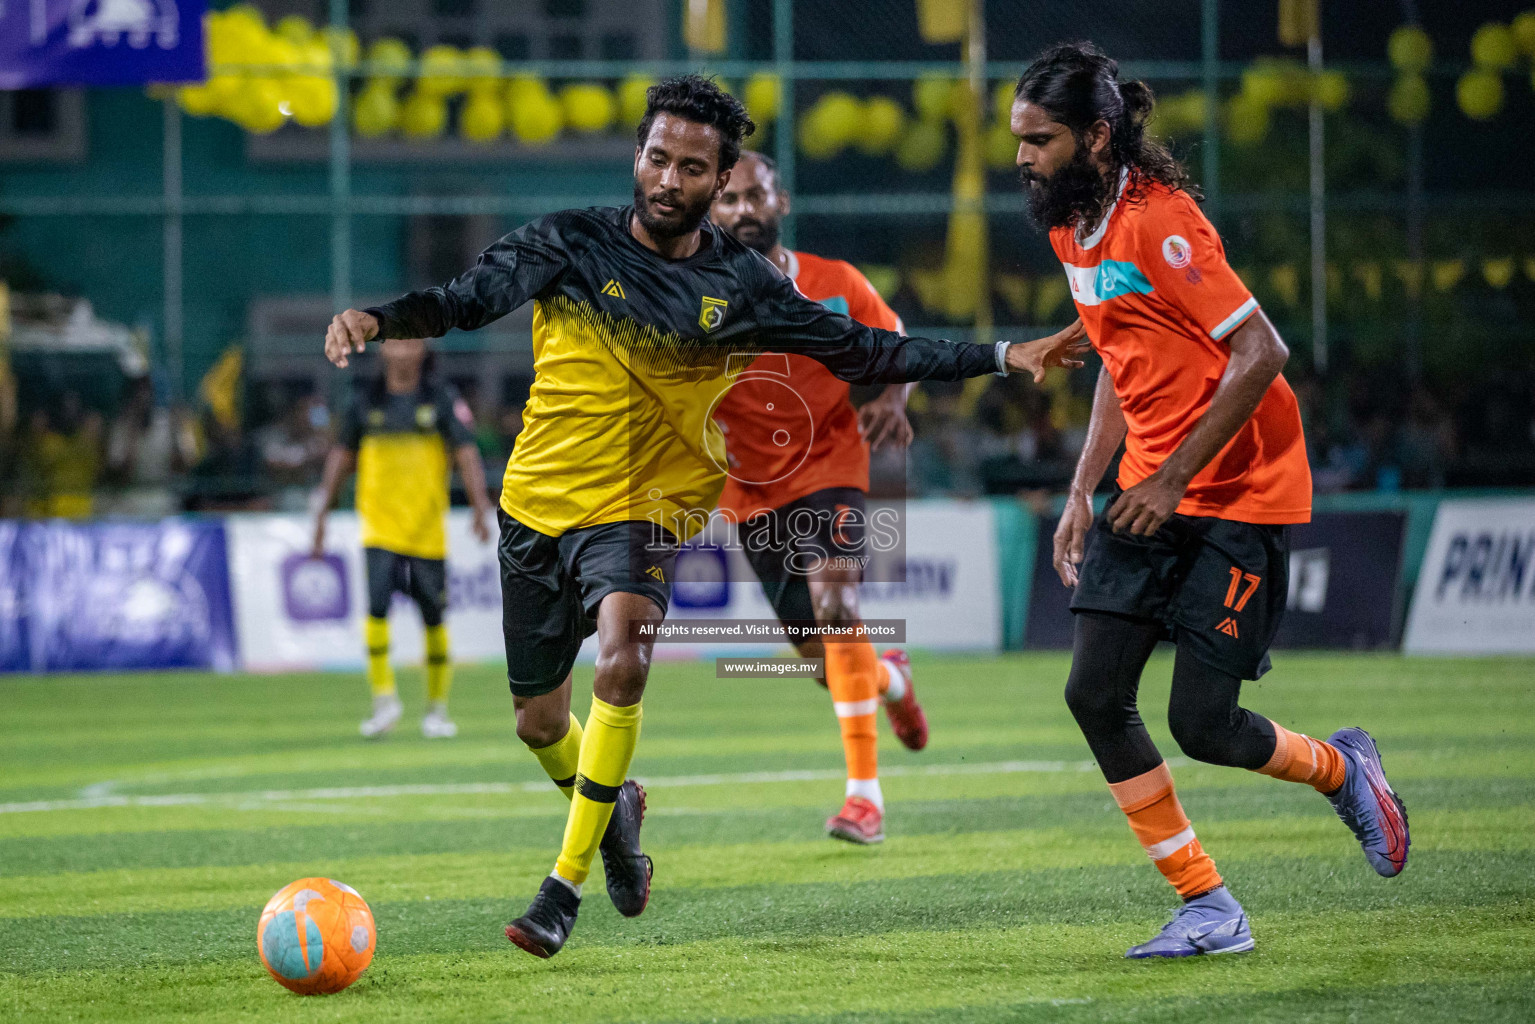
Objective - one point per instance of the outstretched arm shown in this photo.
(509, 273)
(859, 354)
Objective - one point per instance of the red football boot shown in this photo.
(907, 720)
(859, 821)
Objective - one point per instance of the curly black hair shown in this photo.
(1078, 86)
(701, 101)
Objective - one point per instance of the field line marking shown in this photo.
(269, 796)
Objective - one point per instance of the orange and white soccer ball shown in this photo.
(316, 936)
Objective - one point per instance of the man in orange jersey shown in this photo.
(798, 476)
(1194, 544)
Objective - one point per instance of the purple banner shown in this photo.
(124, 595)
(100, 42)
(14, 656)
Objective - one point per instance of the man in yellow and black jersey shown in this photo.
(642, 317)
(397, 432)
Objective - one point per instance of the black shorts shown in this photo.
(423, 580)
(1218, 585)
(788, 543)
(551, 588)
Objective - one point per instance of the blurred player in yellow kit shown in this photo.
(799, 473)
(397, 433)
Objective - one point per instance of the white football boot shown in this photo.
(386, 715)
(436, 725)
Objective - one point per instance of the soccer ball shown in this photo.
(316, 936)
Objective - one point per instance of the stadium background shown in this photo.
(170, 255)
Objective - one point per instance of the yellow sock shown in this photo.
(561, 757)
(380, 673)
(606, 749)
(439, 667)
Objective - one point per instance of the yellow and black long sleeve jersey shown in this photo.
(403, 444)
(633, 351)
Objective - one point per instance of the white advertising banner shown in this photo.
(1476, 589)
(949, 597)
(294, 612)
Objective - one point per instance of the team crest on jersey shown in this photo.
(1177, 251)
(426, 416)
(375, 417)
(711, 313)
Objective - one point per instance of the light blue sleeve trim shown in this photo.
(1243, 312)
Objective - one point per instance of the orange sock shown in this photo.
(852, 675)
(1158, 821)
(1299, 758)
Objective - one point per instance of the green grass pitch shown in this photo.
(146, 820)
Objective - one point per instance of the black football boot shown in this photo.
(543, 930)
(628, 870)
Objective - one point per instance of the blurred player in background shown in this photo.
(637, 313)
(397, 433)
(799, 475)
(1193, 546)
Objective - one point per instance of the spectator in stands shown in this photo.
(1425, 443)
(148, 447)
(293, 448)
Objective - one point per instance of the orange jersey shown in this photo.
(1153, 289)
(789, 427)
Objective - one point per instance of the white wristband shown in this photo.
(1001, 352)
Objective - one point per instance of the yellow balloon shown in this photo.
(1494, 47)
(1410, 49)
(526, 87)
(1001, 148)
(587, 107)
(1247, 120)
(226, 90)
(763, 97)
(1331, 90)
(389, 57)
(1409, 100)
(482, 67)
(442, 71)
(343, 42)
(314, 58)
(424, 115)
(258, 109)
(197, 100)
(881, 126)
(1480, 94)
(923, 146)
(295, 28)
(632, 101)
(376, 111)
(930, 95)
(1523, 28)
(816, 141)
(311, 100)
(537, 118)
(482, 119)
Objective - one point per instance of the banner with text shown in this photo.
(89, 596)
(1476, 590)
(296, 611)
(100, 42)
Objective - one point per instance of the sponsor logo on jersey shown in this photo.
(426, 416)
(655, 571)
(614, 289)
(1177, 251)
(1228, 625)
(711, 313)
